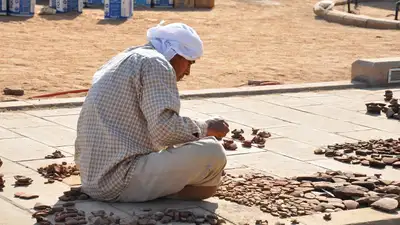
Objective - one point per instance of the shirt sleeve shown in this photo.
(160, 104)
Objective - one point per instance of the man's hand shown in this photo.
(217, 127)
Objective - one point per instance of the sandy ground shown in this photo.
(244, 39)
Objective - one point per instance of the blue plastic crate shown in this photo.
(118, 9)
(21, 7)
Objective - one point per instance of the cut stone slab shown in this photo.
(309, 135)
(292, 148)
(10, 169)
(193, 114)
(210, 107)
(4, 133)
(230, 211)
(51, 135)
(368, 134)
(273, 163)
(373, 71)
(157, 205)
(55, 112)
(26, 121)
(70, 121)
(48, 193)
(11, 214)
(387, 174)
(253, 119)
(17, 149)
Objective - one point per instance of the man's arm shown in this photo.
(160, 104)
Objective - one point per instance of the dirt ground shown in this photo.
(244, 40)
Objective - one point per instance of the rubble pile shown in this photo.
(22, 180)
(259, 138)
(58, 171)
(391, 111)
(150, 217)
(55, 155)
(376, 153)
(68, 214)
(73, 194)
(305, 195)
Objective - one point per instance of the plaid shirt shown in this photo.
(132, 109)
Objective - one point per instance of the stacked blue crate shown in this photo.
(21, 8)
(3, 7)
(163, 3)
(118, 9)
(65, 6)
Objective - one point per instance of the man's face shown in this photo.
(181, 66)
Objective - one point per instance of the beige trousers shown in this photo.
(164, 173)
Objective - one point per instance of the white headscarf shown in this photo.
(176, 38)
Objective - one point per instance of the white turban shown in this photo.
(176, 38)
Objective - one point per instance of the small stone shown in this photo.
(389, 160)
(350, 204)
(396, 165)
(365, 162)
(376, 164)
(319, 151)
(349, 191)
(367, 201)
(327, 217)
(366, 184)
(385, 204)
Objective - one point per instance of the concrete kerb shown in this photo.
(194, 94)
(331, 15)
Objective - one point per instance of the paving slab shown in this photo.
(5, 133)
(18, 149)
(299, 123)
(388, 173)
(70, 121)
(238, 213)
(11, 214)
(253, 119)
(48, 193)
(370, 134)
(309, 135)
(276, 164)
(292, 148)
(23, 121)
(10, 169)
(50, 135)
(54, 112)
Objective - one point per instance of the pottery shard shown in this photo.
(367, 184)
(385, 204)
(349, 191)
(350, 204)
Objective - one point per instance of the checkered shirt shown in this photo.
(131, 111)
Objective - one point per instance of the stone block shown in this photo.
(373, 71)
(378, 23)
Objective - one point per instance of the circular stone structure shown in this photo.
(325, 9)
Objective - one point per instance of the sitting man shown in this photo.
(132, 144)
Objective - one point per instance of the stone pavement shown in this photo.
(298, 122)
